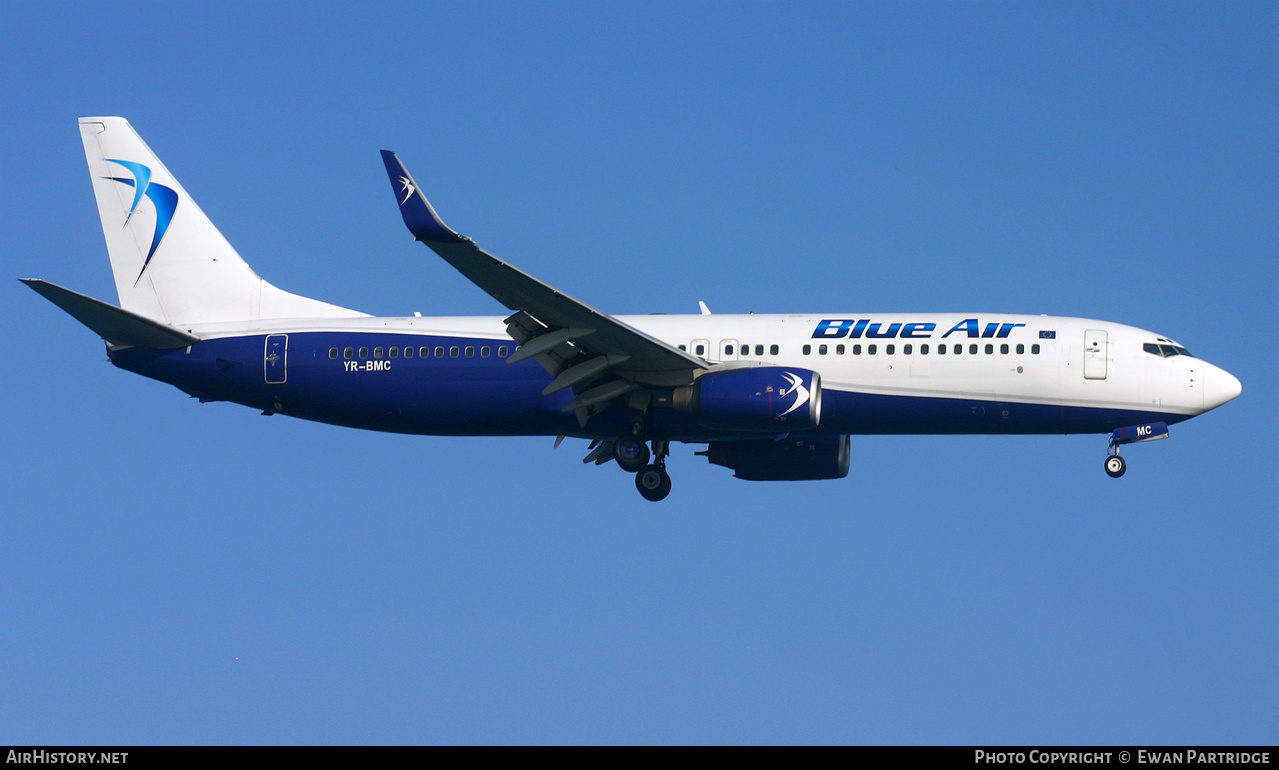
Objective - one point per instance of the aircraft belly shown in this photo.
(881, 413)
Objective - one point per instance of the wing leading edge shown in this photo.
(601, 357)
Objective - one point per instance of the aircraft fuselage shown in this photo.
(881, 374)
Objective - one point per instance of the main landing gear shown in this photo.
(1115, 465)
(630, 453)
(652, 481)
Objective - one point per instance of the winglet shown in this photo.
(418, 214)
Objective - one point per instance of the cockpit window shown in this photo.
(1165, 351)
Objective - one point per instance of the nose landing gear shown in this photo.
(1132, 434)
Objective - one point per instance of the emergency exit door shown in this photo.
(275, 365)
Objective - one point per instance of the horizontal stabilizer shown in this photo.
(117, 326)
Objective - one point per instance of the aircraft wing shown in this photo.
(573, 340)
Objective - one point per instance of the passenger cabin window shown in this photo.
(348, 352)
(470, 351)
(453, 351)
(890, 349)
(701, 350)
(501, 351)
(1021, 349)
(870, 350)
(486, 351)
(808, 349)
(923, 349)
(746, 350)
(941, 349)
(821, 350)
(439, 351)
(772, 351)
(972, 350)
(906, 350)
(333, 352)
(1034, 349)
(1003, 349)
(393, 353)
(857, 350)
(378, 352)
(839, 350)
(990, 349)
(759, 350)
(960, 348)
(364, 352)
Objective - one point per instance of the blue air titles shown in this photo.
(839, 328)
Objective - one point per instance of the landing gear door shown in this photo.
(276, 359)
(1096, 351)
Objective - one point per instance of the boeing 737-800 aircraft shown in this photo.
(773, 397)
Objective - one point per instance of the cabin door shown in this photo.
(1096, 350)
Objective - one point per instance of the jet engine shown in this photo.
(774, 399)
(806, 458)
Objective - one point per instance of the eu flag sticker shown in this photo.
(1048, 335)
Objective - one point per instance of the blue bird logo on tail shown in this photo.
(165, 200)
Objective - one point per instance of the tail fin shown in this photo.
(170, 262)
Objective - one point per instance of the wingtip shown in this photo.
(419, 216)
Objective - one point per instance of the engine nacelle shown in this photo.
(775, 399)
(808, 458)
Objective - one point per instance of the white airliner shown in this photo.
(773, 397)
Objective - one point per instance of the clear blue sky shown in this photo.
(183, 573)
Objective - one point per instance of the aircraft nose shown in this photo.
(1220, 386)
